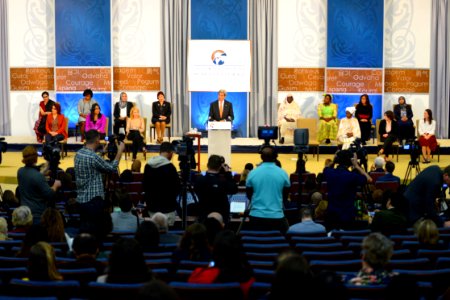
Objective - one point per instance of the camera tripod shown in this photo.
(408, 175)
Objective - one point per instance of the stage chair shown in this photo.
(63, 143)
(168, 128)
(311, 125)
(200, 291)
(438, 147)
(395, 145)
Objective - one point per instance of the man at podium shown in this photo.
(221, 109)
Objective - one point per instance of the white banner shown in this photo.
(219, 64)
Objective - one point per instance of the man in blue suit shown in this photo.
(390, 167)
(221, 109)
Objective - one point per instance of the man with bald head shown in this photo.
(266, 187)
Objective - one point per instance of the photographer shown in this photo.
(214, 187)
(33, 188)
(423, 191)
(342, 186)
(162, 183)
(89, 168)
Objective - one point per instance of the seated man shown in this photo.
(349, 129)
(288, 113)
(307, 225)
(390, 219)
(124, 220)
(390, 167)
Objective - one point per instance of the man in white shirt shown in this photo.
(348, 129)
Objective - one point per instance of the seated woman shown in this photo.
(135, 131)
(161, 112)
(55, 125)
(42, 263)
(377, 251)
(427, 139)
(388, 133)
(96, 121)
(327, 112)
(288, 113)
(364, 112)
(45, 108)
(348, 129)
(403, 115)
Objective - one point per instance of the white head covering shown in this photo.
(351, 109)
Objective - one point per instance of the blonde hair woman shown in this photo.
(41, 263)
(135, 131)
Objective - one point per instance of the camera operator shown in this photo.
(423, 191)
(33, 188)
(162, 183)
(89, 168)
(214, 187)
(342, 186)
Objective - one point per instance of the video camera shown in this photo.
(184, 148)
(361, 152)
(267, 133)
(113, 141)
(3, 147)
(413, 147)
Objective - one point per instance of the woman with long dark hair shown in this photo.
(363, 113)
(427, 139)
(96, 121)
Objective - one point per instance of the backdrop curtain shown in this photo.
(5, 123)
(440, 67)
(263, 35)
(175, 35)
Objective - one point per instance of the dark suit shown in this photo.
(214, 112)
(391, 138)
(117, 122)
(161, 110)
(405, 129)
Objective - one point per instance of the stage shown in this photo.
(244, 150)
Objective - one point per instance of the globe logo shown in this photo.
(218, 57)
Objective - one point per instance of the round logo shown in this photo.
(218, 57)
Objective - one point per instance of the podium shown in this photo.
(219, 140)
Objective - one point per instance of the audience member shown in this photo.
(148, 236)
(124, 220)
(229, 265)
(84, 109)
(244, 175)
(214, 187)
(307, 225)
(267, 186)
(33, 187)
(126, 263)
(162, 183)
(36, 233)
(427, 233)
(389, 167)
(292, 277)
(390, 219)
(378, 165)
(126, 176)
(320, 178)
(321, 205)
(85, 248)
(330, 285)
(213, 227)
(41, 263)
(423, 191)
(165, 237)
(377, 251)
(136, 166)
(9, 201)
(89, 168)
(193, 244)
(122, 110)
(53, 223)
(3, 229)
(21, 219)
(342, 186)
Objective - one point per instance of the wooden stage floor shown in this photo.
(243, 151)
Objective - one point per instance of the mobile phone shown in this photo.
(211, 264)
(106, 138)
(371, 214)
(39, 153)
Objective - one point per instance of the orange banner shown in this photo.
(79, 79)
(360, 81)
(407, 81)
(301, 79)
(32, 79)
(136, 79)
